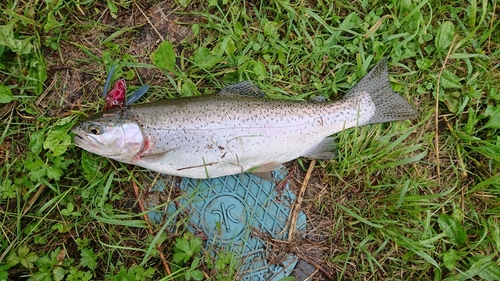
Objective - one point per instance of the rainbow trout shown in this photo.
(237, 130)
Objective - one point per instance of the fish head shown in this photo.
(111, 136)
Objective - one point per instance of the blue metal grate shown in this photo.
(229, 210)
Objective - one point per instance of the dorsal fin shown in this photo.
(319, 99)
(244, 88)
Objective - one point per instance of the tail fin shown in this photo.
(389, 106)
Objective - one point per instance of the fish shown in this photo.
(238, 130)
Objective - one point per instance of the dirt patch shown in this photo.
(76, 75)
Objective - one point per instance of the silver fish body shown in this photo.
(218, 135)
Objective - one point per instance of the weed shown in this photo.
(186, 252)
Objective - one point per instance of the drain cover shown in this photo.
(233, 212)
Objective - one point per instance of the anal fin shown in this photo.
(326, 149)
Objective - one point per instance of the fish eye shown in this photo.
(95, 130)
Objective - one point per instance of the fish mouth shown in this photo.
(90, 143)
(85, 142)
(81, 142)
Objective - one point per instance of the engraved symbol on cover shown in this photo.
(227, 210)
(225, 215)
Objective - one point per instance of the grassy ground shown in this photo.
(411, 200)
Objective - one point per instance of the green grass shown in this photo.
(409, 200)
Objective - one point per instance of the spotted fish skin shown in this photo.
(218, 135)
